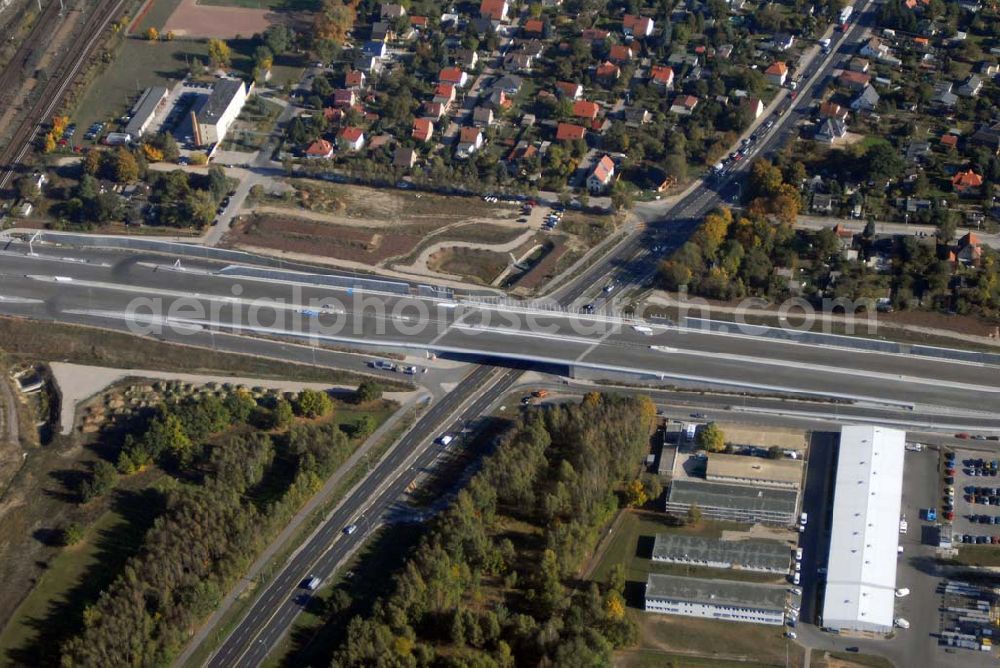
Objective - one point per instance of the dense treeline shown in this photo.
(233, 487)
(469, 597)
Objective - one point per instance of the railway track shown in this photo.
(59, 77)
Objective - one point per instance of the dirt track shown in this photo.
(193, 20)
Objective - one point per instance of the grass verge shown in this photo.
(24, 339)
(821, 659)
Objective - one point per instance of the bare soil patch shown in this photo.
(193, 20)
(480, 265)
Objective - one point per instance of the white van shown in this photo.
(901, 623)
(446, 439)
(311, 583)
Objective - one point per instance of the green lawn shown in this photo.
(138, 65)
(648, 658)
(63, 575)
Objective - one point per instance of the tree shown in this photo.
(152, 153)
(199, 158)
(774, 452)
(102, 480)
(219, 52)
(71, 534)
(711, 437)
(152, 34)
(635, 494)
(218, 184)
(92, 162)
(49, 143)
(313, 403)
(27, 187)
(59, 124)
(334, 20)
(283, 413)
(693, 514)
(621, 196)
(883, 162)
(278, 38)
(367, 391)
(765, 179)
(126, 169)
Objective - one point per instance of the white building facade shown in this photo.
(728, 600)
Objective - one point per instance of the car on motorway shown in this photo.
(383, 365)
(350, 528)
(311, 583)
(446, 439)
(699, 416)
(410, 370)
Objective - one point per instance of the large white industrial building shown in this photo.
(861, 575)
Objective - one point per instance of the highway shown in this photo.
(370, 504)
(125, 291)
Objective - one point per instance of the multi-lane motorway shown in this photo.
(129, 292)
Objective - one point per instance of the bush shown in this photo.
(367, 391)
(71, 534)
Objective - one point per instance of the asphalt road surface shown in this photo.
(125, 290)
(371, 504)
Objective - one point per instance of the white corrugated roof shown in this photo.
(861, 577)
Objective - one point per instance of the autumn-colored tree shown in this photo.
(335, 20)
(614, 606)
(49, 143)
(713, 231)
(92, 162)
(712, 438)
(152, 153)
(59, 124)
(169, 36)
(152, 34)
(219, 52)
(765, 179)
(126, 166)
(785, 204)
(635, 494)
(198, 158)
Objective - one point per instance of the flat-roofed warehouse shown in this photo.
(763, 556)
(745, 470)
(736, 503)
(748, 602)
(144, 111)
(861, 577)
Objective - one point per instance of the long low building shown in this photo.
(735, 503)
(748, 602)
(746, 470)
(144, 111)
(861, 575)
(762, 556)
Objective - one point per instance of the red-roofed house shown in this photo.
(968, 250)
(585, 109)
(620, 53)
(351, 139)
(638, 26)
(444, 94)
(320, 148)
(755, 105)
(454, 76)
(684, 104)
(344, 98)
(949, 141)
(777, 73)
(663, 76)
(854, 80)
(418, 22)
(608, 71)
(570, 132)
(594, 35)
(423, 129)
(573, 91)
(533, 27)
(470, 140)
(601, 176)
(966, 181)
(433, 110)
(355, 80)
(832, 110)
(494, 10)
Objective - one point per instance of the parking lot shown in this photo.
(976, 485)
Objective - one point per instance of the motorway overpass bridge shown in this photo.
(193, 301)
